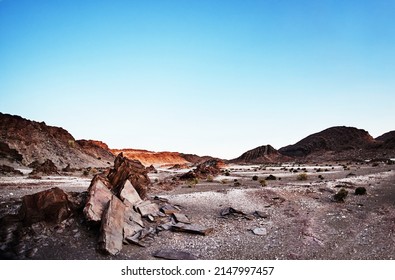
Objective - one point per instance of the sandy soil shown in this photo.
(303, 221)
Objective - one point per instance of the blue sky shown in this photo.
(206, 77)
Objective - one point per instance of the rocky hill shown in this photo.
(388, 140)
(26, 141)
(262, 154)
(336, 143)
(160, 158)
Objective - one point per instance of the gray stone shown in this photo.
(259, 231)
(111, 232)
(181, 218)
(170, 254)
(130, 194)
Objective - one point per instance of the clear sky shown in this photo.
(215, 77)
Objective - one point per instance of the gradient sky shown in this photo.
(206, 77)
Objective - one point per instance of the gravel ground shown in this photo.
(303, 221)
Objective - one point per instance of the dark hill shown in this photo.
(262, 154)
(335, 142)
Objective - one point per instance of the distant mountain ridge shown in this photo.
(24, 141)
(160, 158)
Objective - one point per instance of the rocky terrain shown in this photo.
(26, 141)
(235, 216)
(329, 196)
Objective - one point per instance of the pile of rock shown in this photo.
(208, 168)
(45, 168)
(9, 170)
(116, 201)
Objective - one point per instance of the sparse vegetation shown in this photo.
(192, 182)
(263, 182)
(210, 178)
(340, 195)
(360, 191)
(302, 177)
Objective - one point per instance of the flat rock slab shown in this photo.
(98, 197)
(130, 194)
(170, 254)
(169, 209)
(111, 231)
(147, 208)
(133, 216)
(181, 218)
(230, 211)
(259, 231)
(191, 228)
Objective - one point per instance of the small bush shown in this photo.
(360, 191)
(340, 195)
(263, 182)
(210, 178)
(193, 182)
(302, 177)
(255, 178)
(227, 173)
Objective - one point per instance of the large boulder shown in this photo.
(132, 170)
(99, 194)
(50, 205)
(111, 232)
(46, 168)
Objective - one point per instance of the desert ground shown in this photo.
(294, 216)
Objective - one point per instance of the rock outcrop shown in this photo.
(46, 168)
(203, 170)
(27, 141)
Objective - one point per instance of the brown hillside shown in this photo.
(36, 141)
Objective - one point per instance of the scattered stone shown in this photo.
(169, 209)
(132, 222)
(8, 170)
(261, 214)
(46, 168)
(340, 195)
(151, 169)
(151, 218)
(50, 205)
(360, 191)
(161, 199)
(170, 254)
(231, 211)
(111, 231)
(191, 228)
(181, 218)
(99, 195)
(259, 231)
(130, 194)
